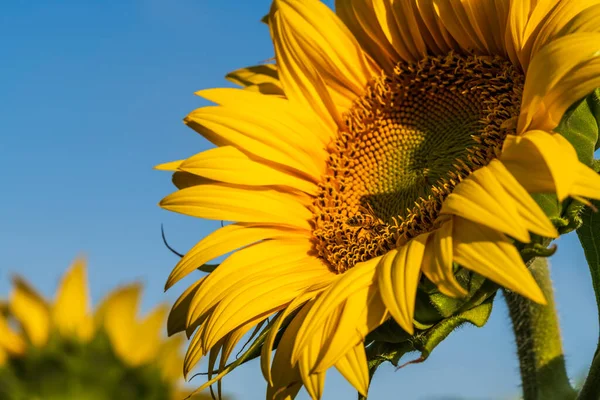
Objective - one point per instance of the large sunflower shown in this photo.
(392, 142)
(61, 350)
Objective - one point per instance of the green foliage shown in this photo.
(66, 369)
(589, 236)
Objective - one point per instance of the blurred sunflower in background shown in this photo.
(392, 144)
(62, 350)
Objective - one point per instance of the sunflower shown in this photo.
(61, 350)
(391, 143)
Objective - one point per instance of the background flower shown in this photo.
(62, 349)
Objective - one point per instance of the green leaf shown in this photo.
(579, 126)
(589, 236)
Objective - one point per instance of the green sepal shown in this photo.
(424, 341)
(579, 125)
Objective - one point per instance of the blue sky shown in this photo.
(92, 94)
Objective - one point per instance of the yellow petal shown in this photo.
(482, 199)
(183, 180)
(177, 319)
(267, 348)
(466, 31)
(397, 22)
(262, 296)
(223, 241)
(220, 202)
(169, 166)
(117, 316)
(229, 165)
(557, 60)
(569, 90)
(194, 352)
(348, 326)
(71, 307)
(532, 215)
(524, 22)
(300, 119)
(398, 277)
(542, 162)
(490, 253)
(286, 380)
(317, 37)
(265, 135)
(360, 17)
(260, 78)
(31, 310)
(10, 341)
(225, 346)
(260, 260)
(362, 276)
(151, 329)
(430, 23)
(587, 183)
(354, 367)
(566, 18)
(437, 261)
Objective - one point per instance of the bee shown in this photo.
(366, 222)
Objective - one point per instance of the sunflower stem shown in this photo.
(539, 347)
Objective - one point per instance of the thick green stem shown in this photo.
(539, 346)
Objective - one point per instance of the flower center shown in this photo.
(408, 141)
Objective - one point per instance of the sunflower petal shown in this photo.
(71, 307)
(229, 165)
(286, 380)
(491, 254)
(437, 261)
(354, 367)
(223, 241)
(432, 24)
(265, 259)
(300, 119)
(482, 199)
(260, 78)
(177, 319)
(220, 202)
(31, 310)
(566, 18)
(336, 56)
(267, 348)
(360, 277)
(143, 351)
(115, 315)
(559, 59)
(169, 166)
(532, 215)
(269, 137)
(360, 17)
(349, 325)
(398, 278)
(542, 162)
(455, 17)
(263, 296)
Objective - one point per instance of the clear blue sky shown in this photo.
(92, 94)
